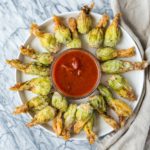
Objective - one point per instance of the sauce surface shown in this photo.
(75, 73)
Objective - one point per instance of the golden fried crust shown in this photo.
(110, 121)
(21, 109)
(32, 123)
(72, 24)
(78, 126)
(126, 52)
(103, 22)
(122, 120)
(34, 29)
(58, 124)
(57, 21)
(92, 138)
(66, 134)
(28, 51)
(19, 86)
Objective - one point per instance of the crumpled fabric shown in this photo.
(136, 21)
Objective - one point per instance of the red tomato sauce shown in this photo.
(75, 73)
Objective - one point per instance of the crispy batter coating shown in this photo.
(43, 116)
(99, 104)
(62, 33)
(108, 53)
(58, 123)
(41, 86)
(34, 105)
(76, 41)
(84, 20)
(88, 129)
(122, 109)
(113, 32)
(83, 114)
(47, 40)
(121, 66)
(69, 120)
(95, 36)
(44, 58)
(59, 102)
(121, 86)
(108, 119)
(30, 68)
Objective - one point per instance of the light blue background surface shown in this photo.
(15, 19)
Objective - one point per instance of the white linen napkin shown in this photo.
(133, 136)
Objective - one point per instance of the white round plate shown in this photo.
(136, 78)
